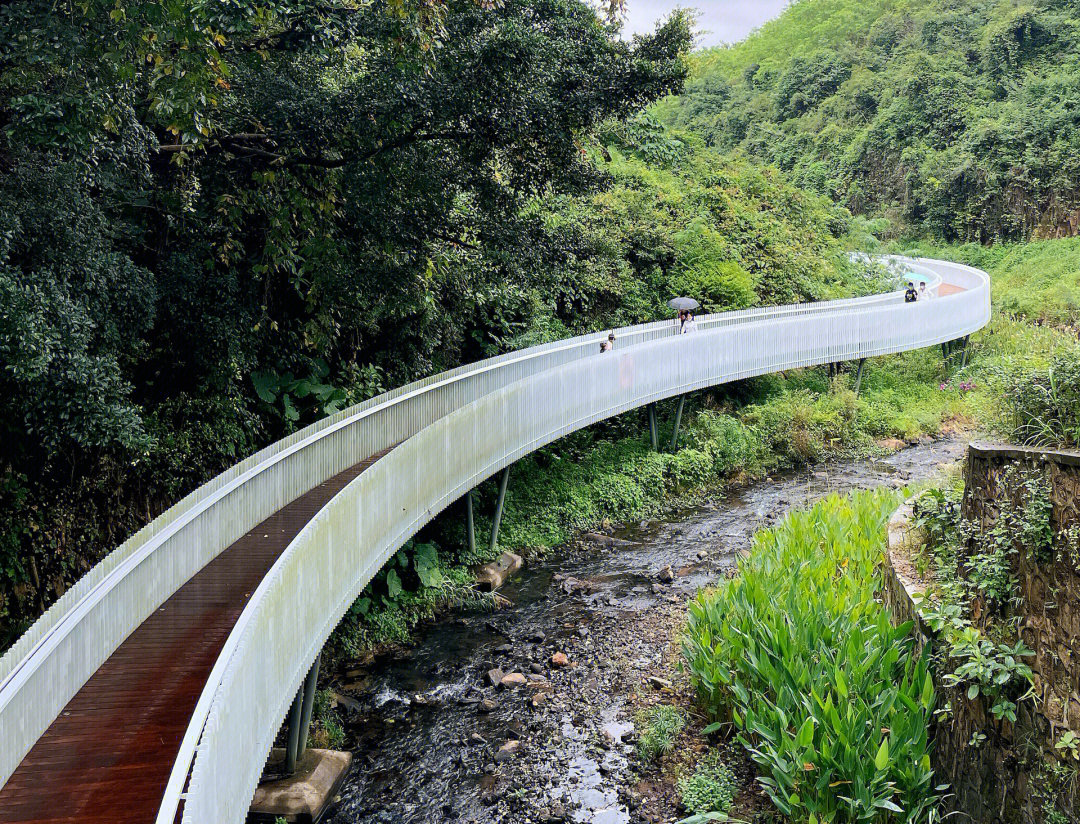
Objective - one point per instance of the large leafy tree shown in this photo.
(219, 219)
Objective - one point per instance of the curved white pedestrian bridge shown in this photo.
(153, 689)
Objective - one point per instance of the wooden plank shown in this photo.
(107, 757)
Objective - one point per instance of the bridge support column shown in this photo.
(678, 421)
(652, 428)
(310, 685)
(858, 375)
(300, 719)
(293, 736)
(499, 502)
(470, 523)
(963, 356)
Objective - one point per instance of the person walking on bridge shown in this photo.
(924, 293)
(689, 324)
(910, 295)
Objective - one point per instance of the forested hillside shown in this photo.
(956, 118)
(221, 222)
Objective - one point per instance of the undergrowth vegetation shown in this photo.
(827, 696)
(711, 788)
(974, 594)
(658, 727)
(951, 118)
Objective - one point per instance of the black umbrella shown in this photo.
(683, 304)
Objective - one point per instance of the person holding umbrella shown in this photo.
(684, 306)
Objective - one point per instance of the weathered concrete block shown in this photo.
(305, 796)
(490, 577)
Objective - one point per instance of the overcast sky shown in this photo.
(720, 21)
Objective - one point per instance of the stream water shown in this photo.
(434, 740)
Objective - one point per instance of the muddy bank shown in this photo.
(440, 733)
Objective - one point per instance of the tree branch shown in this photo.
(241, 143)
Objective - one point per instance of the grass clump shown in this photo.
(327, 731)
(827, 696)
(711, 789)
(658, 727)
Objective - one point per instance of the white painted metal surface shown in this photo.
(454, 430)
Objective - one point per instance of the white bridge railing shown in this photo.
(454, 430)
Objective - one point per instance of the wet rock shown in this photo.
(560, 660)
(486, 706)
(665, 575)
(476, 739)
(536, 668)
(606, 540)
(507, 751)
(344, 701)
(537, 636)
(538, 699)
(494, 676)
(556, 812)
(512, 679)
(659, 683)
(571, 585)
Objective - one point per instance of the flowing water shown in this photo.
(426, 726)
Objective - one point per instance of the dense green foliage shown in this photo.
(711, 788)
(957, 118)
(219, 222)
(828, 697)
(1043, 405)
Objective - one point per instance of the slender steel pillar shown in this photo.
(678, 420)
(470, 523)
(310, 683)
(497, 519)
(293, 739)
(652, 428)
(963, 357)
(858, 375)
(945, 351)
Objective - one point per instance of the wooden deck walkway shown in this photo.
(107, 757)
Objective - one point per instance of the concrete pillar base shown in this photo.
(304, 796)
(490, 577)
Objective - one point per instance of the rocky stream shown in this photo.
(526, 714)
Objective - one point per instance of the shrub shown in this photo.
(659, 727)
(711, 788)
(827, 696)
(1044, 404)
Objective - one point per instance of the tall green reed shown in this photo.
(827, 696)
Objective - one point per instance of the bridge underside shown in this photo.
(108, 756)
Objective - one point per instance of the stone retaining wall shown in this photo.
(1009, 775)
